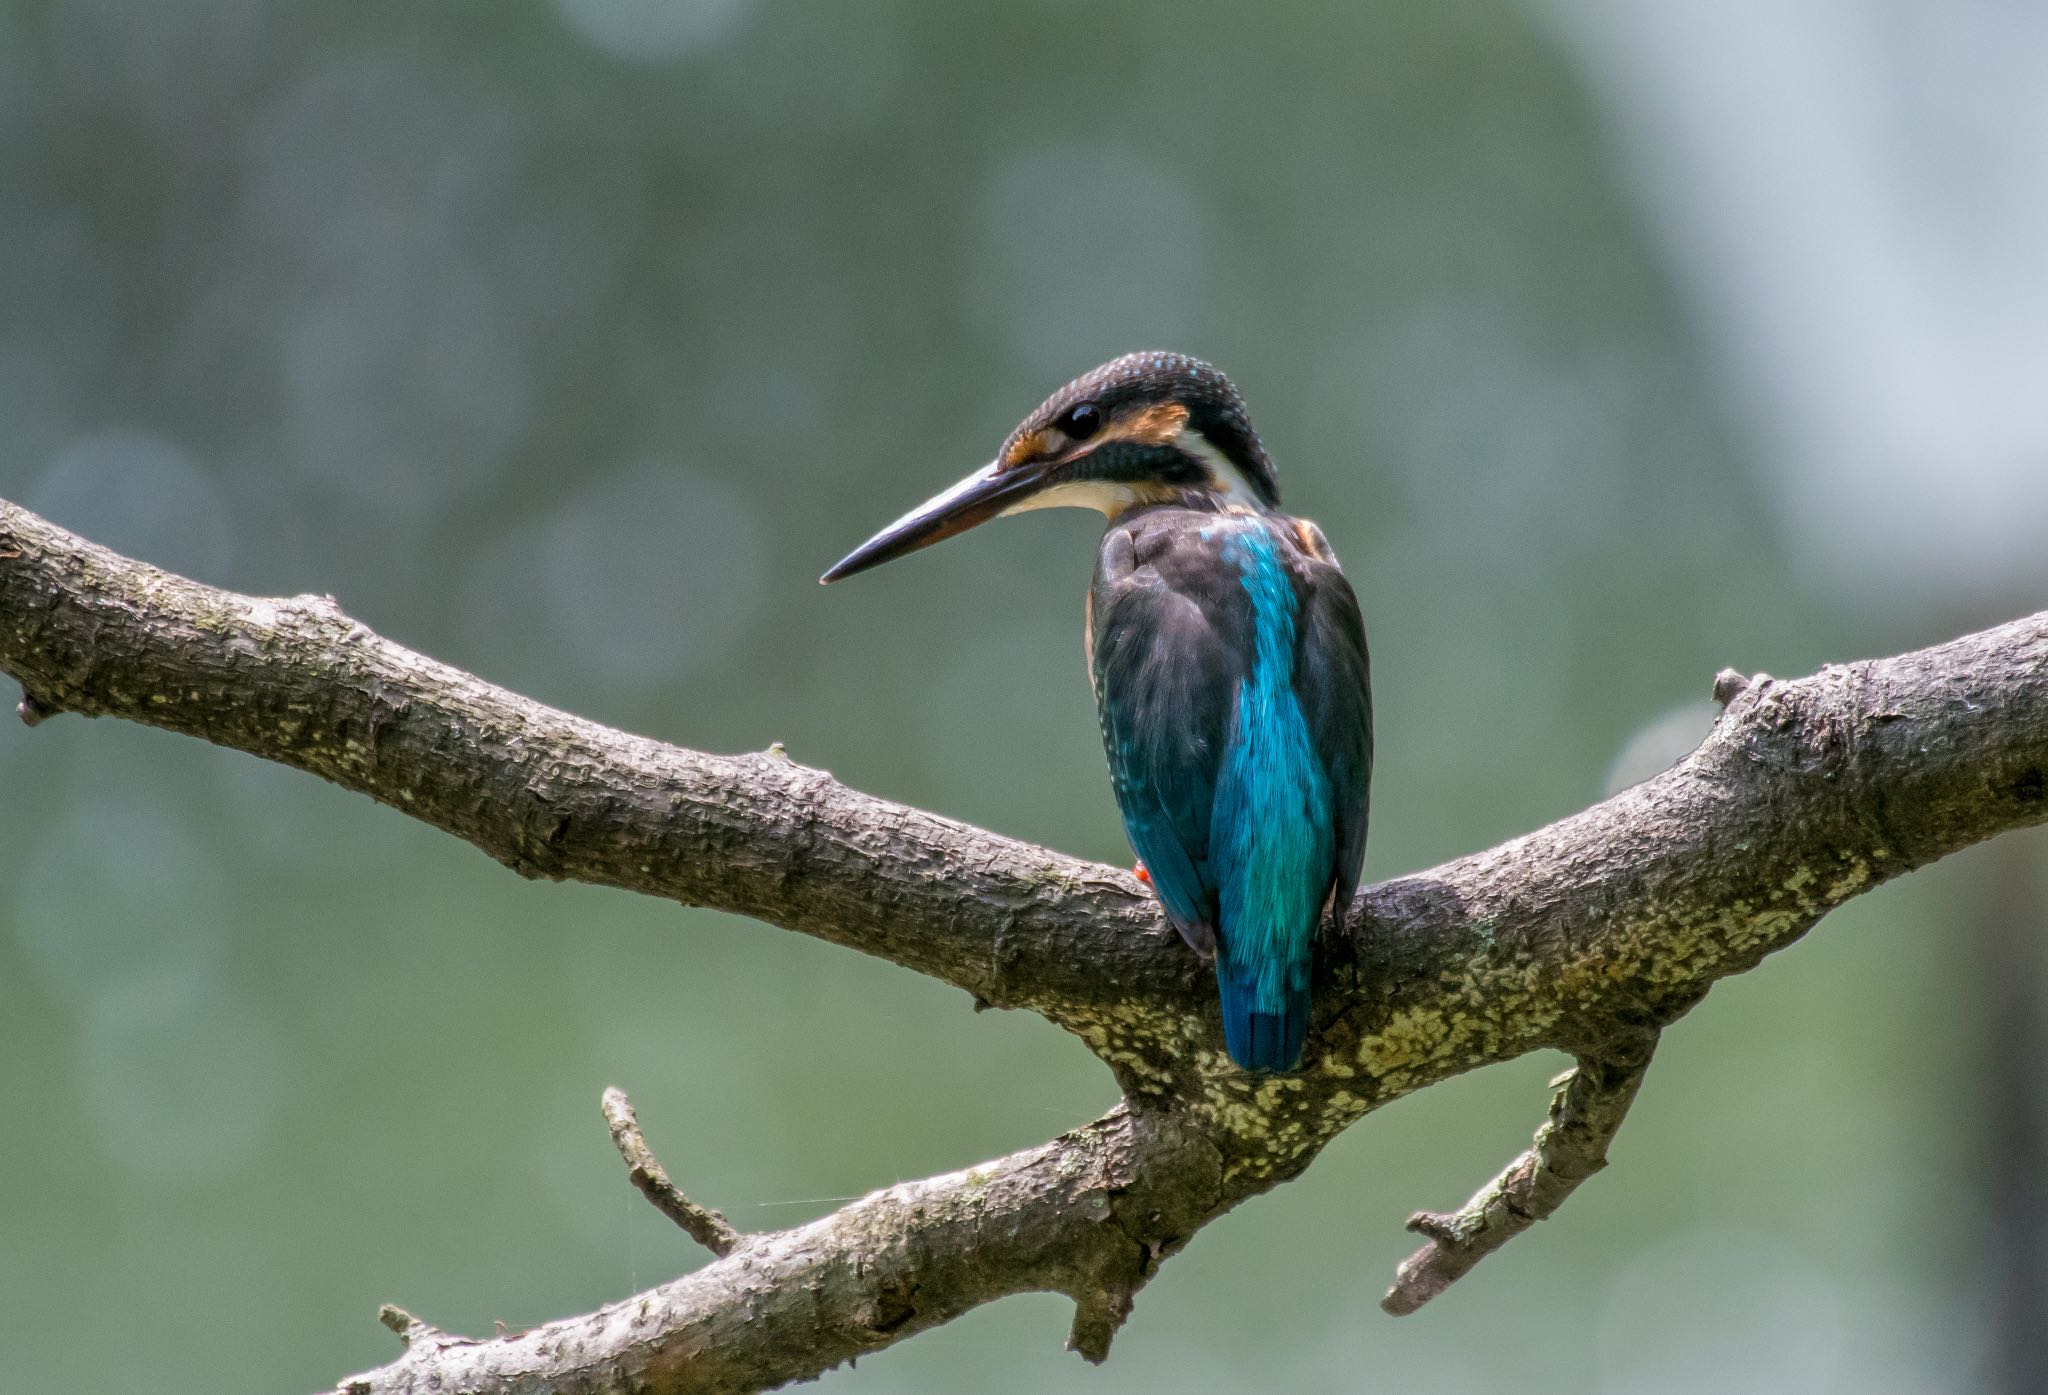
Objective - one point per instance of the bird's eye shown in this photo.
(1081, 421)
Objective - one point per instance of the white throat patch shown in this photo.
(1106, 497)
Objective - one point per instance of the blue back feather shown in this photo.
(1270, 831)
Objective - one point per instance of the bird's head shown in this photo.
(1142, 429)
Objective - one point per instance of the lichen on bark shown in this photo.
(1586, 936)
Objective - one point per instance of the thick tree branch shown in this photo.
(1063, 1216)
(1587, 936)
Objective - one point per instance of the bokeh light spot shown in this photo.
(1777, 1319)
(651, 31)
(139, 493)
(1660, 743)
(652, 571)
(121, 890)
(1088, 250)
(405, 391)
(179, 1086)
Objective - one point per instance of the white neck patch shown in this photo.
(1229, 482)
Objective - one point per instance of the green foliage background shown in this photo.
(568, 343)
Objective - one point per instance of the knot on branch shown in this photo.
(34, 710)
(1729, 685)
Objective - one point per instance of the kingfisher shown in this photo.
(1228, 659)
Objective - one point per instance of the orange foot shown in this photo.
(1138, 871)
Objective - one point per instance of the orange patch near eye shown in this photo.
(1151, 426)
(1028, 446)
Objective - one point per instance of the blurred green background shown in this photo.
(1611, 342)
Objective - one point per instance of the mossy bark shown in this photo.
(1588, 935)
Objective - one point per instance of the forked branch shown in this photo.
(1596, 930)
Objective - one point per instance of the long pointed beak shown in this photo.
(976, 499)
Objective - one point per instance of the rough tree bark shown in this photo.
(1588, 935)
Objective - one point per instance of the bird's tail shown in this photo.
(1265, 1015)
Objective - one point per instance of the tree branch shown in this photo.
(644, 1170)
(1587, 935)
(1590, 1102)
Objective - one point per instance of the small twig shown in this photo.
(1591, 1101)
(423, 1342)
(418, 1334)
(408, 1327)
(707, 1228)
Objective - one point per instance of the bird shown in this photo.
(1228, 658)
